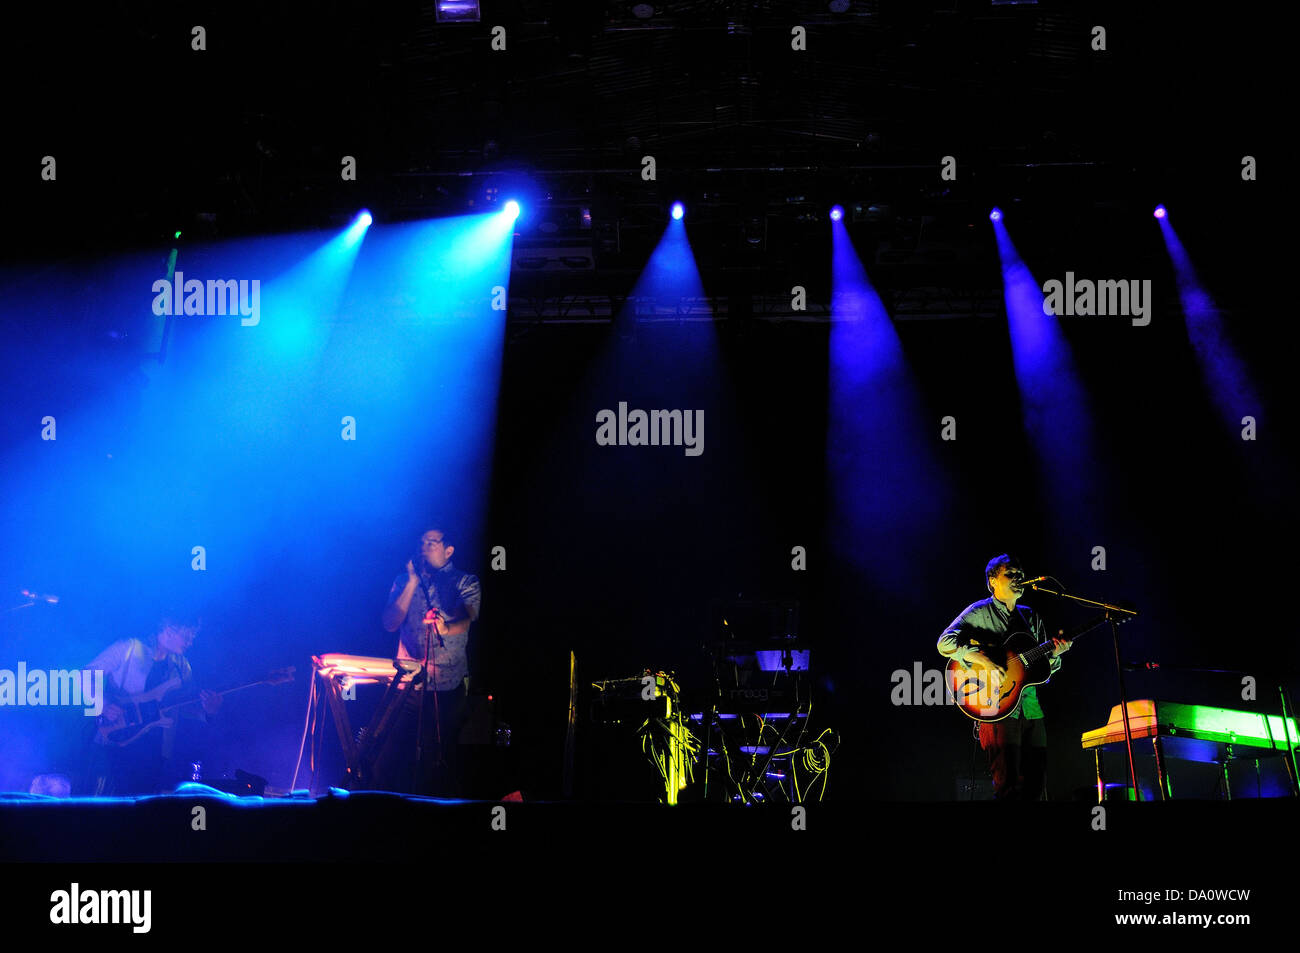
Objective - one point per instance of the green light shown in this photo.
(178, 234)
(1243, 727)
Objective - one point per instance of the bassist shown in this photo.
(1016, 745)
(133, 667)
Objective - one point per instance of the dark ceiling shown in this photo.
(758, 139)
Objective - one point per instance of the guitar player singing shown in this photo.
(1016, 745)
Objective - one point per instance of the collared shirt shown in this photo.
(128, 666)
(989, 623)
(457, 596)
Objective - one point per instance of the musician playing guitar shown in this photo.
(135, 667)
(1017, 744)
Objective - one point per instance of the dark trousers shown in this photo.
(138, 768)
(396, 768)
(1017, 752)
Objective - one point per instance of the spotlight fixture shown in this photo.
(678, 211)
(358, 227)
(995, 215)
(837, 212)
(511, 210)
(1159, 212)
(456, 11)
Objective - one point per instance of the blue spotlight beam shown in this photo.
(669, 287)
(301, 303)
(887, 492)
(1222, 369)
(208, 448)
(671, 270)
(1054, 404)
(421, 354)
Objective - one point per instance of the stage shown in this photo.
(199, 824)
(778, 462)
(276, 860)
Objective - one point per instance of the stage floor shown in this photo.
(201, 824)
(372, 864)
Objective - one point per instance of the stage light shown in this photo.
(511, 210)
(995, 215)
(678, 210)
(456, 11)
(837, 212)
(358, 228)
(1159, 212)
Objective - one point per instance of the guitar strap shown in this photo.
(1016, 623)
(162, 670)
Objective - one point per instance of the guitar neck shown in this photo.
(1045, 648)
(195, 700)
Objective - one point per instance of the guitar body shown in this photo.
(140, 713)
(989, 686)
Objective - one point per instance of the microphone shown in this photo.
(1030, 582)
(431, 620)
(40, 597)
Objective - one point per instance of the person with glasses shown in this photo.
(134, 667)
(431, 606)
(1016, 745)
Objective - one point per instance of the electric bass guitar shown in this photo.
(142, 713)
(988, 686)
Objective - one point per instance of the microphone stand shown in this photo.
(429, 685)
(1290, 745)
(430, 628)
(1111, 611)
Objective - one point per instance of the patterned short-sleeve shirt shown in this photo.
(457, 595)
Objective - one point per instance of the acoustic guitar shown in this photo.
(988, 686)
